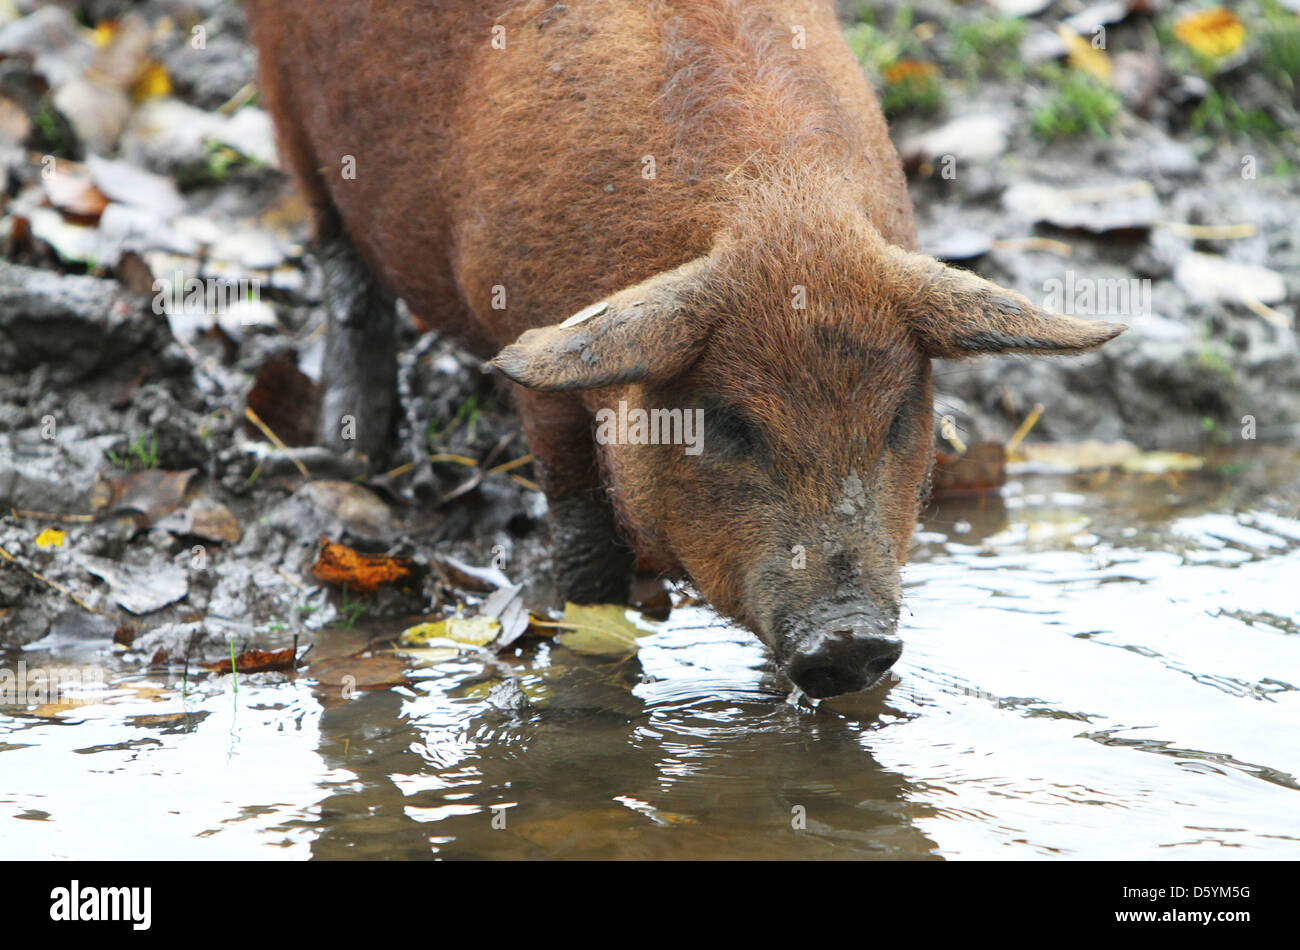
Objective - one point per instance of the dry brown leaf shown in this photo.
(151, 494)
(257, 661)
(286, 400)
(370, 672)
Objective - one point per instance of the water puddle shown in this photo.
(1094, 669)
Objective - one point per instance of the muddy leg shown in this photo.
(359, 376)
(592, 564)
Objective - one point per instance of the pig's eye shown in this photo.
(898, 429)
(728, 432)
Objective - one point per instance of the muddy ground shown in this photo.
(141, 502)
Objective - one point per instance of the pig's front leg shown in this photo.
(359, 375)
(592, 564)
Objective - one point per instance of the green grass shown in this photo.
(1078, 104)
(1279, 45)
(138, 455)
(1219, 114)
(988, 47)
(350, 611)
(912, 94)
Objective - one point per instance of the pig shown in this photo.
(680, 205)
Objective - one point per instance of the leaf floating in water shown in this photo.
(363, 573)
(1161, 463)
(428, 655)
(471, 631)
(369, 672)
(257, 661)
(1067, 458)
(597, 630)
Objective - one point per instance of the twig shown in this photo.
(238, 100)
(510, 466)
(1018, 436)
(49, 583)
(948, 429)
(1035, 244)
(262, 427)
(1279, 320)
(1209, 232)
(51, 516)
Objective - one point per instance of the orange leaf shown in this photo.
(906, 69)
(362, 573)
(1214, 32)
(257, 661)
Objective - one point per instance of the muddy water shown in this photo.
(1094, 668)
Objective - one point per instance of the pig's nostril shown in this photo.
(842, 661)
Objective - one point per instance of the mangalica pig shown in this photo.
(681, 210)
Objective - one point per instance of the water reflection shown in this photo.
(1093, 669)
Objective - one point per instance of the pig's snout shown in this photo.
(842, 659)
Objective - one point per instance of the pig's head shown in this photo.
(808, 363)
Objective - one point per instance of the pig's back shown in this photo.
(578, 160)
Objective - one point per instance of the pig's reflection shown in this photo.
(604, 761)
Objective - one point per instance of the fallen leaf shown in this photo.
(50, 538)
(70, 189)
(471, 631)
(1082, 55)
(205, 518)
(598, 630)
(356, 509)
(138, 589)
(478, 579)
(428, 655)
(339, 564)
(150, 494)
(286, 400)
(370, 672)
(980, 471)
(1214, 32)
(1161, 463)
(908, 70)
(257, 661)
(506, 606)
(1111, 207)
(131, 185)
(15, 126)
(1068, 458)
(153, 82)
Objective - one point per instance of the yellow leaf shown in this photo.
(1161, 463)
(153, 82)
(103, 32)
(1214, 32)
(471, 631)
(598, 630)
(1084, 56)
(50, 538)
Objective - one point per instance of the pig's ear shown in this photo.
(648, 331)
(955, 313)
